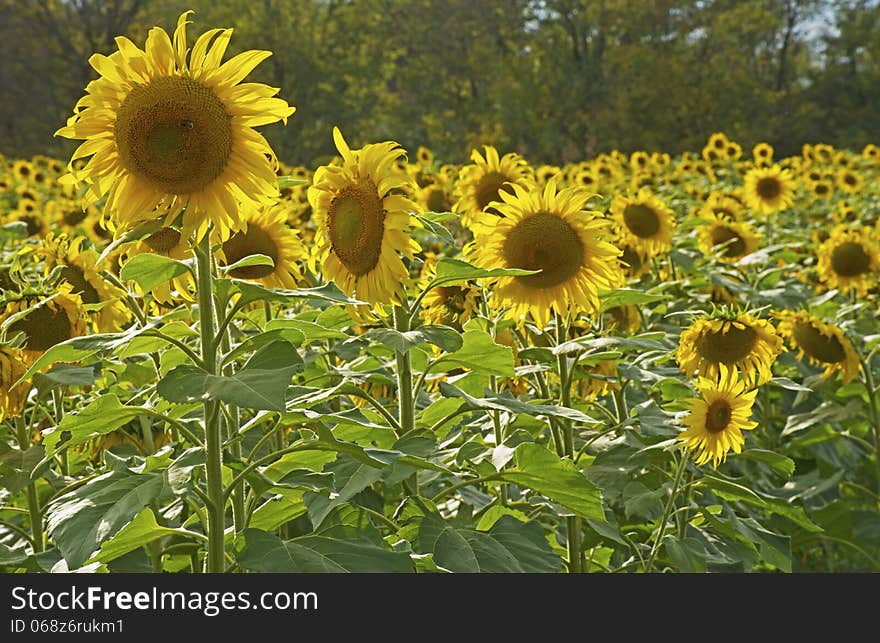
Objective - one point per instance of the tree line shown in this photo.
(557, 80)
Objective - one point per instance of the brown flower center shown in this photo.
(718, 416)
(254, 241)
(544, 242)
(818, 346)
(768, 188)
(163, 241)
(850, 259)
(175, 133)
(727, 347)
(641, 220)
(356, 219)
(488, 189)
(722, 234)
(43, 327)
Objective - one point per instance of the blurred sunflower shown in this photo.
(634, 262)
(729, 339)
(45, 321)
(596, 380)
(822, 189)
(718, 417)
(823, 344)
(768, 189)
(644, 221)
(362, 222)
(78, 267)
(849, 180)
(450, 305)
(28, 212)
(12, 366)
(435, 197)
(424, 156)
(174, 131)
(849, 260)
(266, 233)
(484, 181)
(731, 239)
(626, 319)
(763, 154)
(723, 206)
(548, 231)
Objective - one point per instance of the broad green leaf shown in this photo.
(310, 330)
(509, 546)
(139, 532)
(259, 340)
(443, 336)
(282, 507)
(67, 375)
(779, 463)
(350, 478)
(291, 181)
(250, 260)
(452, 270)
(260, 384)
(433, 223)
(627, 297)
(480, 354)
(103, 415)
(81, 520)
(502, 403)
(689, 555)
(539, 469)
(149, 270)
(260, 551)
(250, 292)
(16, 466)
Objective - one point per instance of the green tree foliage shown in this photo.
(557, 80)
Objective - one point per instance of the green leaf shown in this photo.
(103, 415)
(251, 292)
(139, 532)
(311, 331)
(16, 466)
(290, 335)
(779, 463)
(149, 270)
(291, 181)
(445, 337)
(250, 260)
(627, 297)
(80, 348)
(501, 403)
(509, 546)
(260, 384)
(260, 551)
(66, 375)
(350, 478)
(79, 521)
(541, 470)
(689, 555)
(480, 354)
(433, 222)
(452, 270)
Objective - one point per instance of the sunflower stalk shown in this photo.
(874, 411)
(573, 523)
(215, 561)
(661, 529)
(33, 501)
(406, 401)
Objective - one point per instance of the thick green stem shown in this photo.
(573, 523)
(33, 500)
(873, 393)
(215, 562)
(406, 406)
(661, 530)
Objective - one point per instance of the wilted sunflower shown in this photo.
(45, 321)
(12, 366)
(548, 231)
(731, 239)
(169, 130)
(363, 222)
(266, 233)
(729, 339)
(624, 319)
(849, 260)
(824, 344)
(644, 221)
(166, 242)
(486, 179)
(718, 417)
(768, 189)
(78, 267)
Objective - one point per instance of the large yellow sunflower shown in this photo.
(849, 260)
(46, 321)
(645, 222)
(732, 240)
(552, 232)
(363, 221)
(769, 189)
(12, 366)
(168, 128)
(267, 233)
(718, 417)
(78, 267)
(486, 179)
(824, 344)
(729, 339)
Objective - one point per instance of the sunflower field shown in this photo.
(215, 362)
